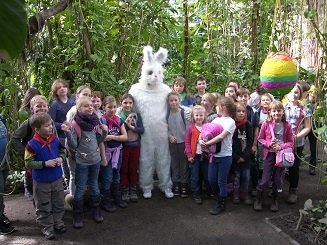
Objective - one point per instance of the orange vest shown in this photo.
(195, 133)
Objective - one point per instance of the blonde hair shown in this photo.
(211, 98)
(197, 108)
(38, 99)
(82, 101)
(81, 88)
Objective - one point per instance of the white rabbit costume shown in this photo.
(150, 95)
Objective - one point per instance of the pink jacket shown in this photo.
(265, 137)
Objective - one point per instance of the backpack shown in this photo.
(185, 114)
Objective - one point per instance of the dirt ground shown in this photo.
(166, 221)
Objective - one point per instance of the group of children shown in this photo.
(94, 143)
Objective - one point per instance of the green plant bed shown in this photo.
(15, 182)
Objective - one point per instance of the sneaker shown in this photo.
(60, 230)
(147, 194)
(184, 192)
(168, 193)
(176, 190)
(125, 196)
(197, 198)
(5, 219)
(6, 229)
(48, 234)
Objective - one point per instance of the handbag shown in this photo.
(284, 158)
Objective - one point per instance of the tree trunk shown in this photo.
(254, 35)
(186, 40)
(36, 22)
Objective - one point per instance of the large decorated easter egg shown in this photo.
(278, 74)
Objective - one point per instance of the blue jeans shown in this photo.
(86, 174)
(242, 179)
(198, 168)
(218, 172)
(110, 175)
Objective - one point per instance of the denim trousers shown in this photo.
(110, 175)
(3, 177)
(199, 168)
(86, 175)
(242, 179)
(218, 171)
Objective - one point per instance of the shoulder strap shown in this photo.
(77, 128)
(271, 130)
(183, 116)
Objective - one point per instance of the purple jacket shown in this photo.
(265, 137)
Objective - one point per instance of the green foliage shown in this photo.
(15, 181)
(316, 216)
(12, 35)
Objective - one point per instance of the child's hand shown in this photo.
(51, 163)
(103, 127)
(109, 137)
(65, 126)
(241, 160)
(172, 139)
(277, 147)
(190, 159)
(59, 161)
(254, 149)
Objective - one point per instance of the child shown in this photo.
(84, 137)
(180, 87)
(5, 223)
(194, 152)
(81, 91)
(220, 166)
(235, 84)
(230, 91)
(201, 86)
(283, 139)
(265, 101)
(208, 101)
(26, 103)
(26, 106)
(58, 110)
(242, 145)
(97, 97)
(255, 97)
(177, 125)
(252, 116)
(24, 133)
(44, 155)
(299, 117)
(131, 148)
(113, 143)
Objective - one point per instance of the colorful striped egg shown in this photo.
(278, 74)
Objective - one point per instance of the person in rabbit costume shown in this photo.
(150, 95)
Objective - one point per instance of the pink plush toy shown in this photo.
(209, 131)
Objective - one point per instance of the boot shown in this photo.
(133, 193)
(106, 203)
(236, 196)
(78, 214)
(292, 196)
(95, 209)
(125, 196)
(258, 201)
(184, 190)
(274, 202)
(219, 207)
(246, 197)
(5, 227)
(117, 196)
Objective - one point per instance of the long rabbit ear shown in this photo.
(161, 56)
(147, 54)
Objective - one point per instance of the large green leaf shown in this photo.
(13, 27)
